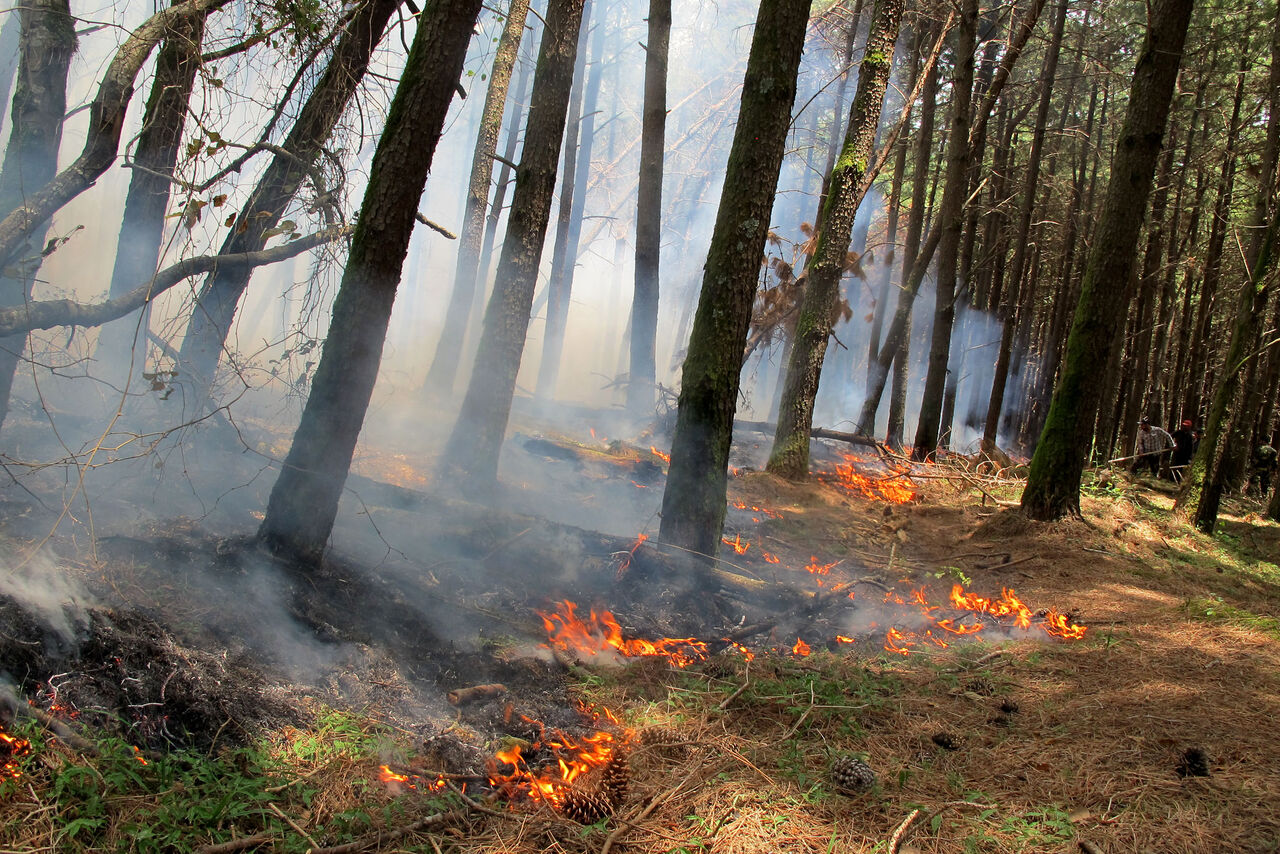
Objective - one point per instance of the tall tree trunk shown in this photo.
(511, 145)
(996, 402)
(1201, 344)
(889, 254)
(1053, 486)
(951, 221)
(470, 459)
(211, 318)
(1149, 295)
(48, 40)
(878, 366)
(573, 192)
(10, 44)
(1204, 484)
(693, 504)
(304, 501)
(444, 364)
(146, 205)
(790, 455)
(1206, 481)
(641, 375)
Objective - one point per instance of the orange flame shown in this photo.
(666, 458)
(739, 547)
(1008, 610)
(386, 775)
(895, 488)
(763, 511)
(770, 558)
(815, 568)
(601, 633)
(801, 648)
(573, 759)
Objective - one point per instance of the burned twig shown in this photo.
(382, 837)
(233, 845)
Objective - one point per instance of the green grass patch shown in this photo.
(1215, 610)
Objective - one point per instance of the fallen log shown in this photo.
(816, 432)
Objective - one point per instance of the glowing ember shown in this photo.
(746, 653)
(894, 487)
(770, 558)
(12, 749)
(739, 547)
(624, 562)
(666, 458)
(801, 648)
(600, 633)
(397, 781)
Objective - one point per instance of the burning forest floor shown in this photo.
(856, 675)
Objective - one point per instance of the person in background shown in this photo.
(1184, 445)
(1264, 465)
(1152, 443)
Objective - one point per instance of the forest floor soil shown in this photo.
(181, 690)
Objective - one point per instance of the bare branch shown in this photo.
(106, 122)
(47, 314)
(435, 227)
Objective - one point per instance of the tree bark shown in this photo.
(900, 326)
(470, 459)
(304, 501)
(573, 192)
(642, 372)
(47, 40)
(693, 504)
(147, 202)
(951, 221)
(995, 403)
(444, 364)
(790, 455)
(1053, 486)
(214, 311)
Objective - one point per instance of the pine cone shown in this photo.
(851, 774)
(659, 735)
(948, 741)
(614, 778)
(980, 686)
(586, 807)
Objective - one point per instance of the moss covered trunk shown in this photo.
(1053, 486)
(790, 455)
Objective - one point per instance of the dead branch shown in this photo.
(724, 704)
(234, 845)
(900, 833)
(435, 226)
(382, 837)
(106, 123)
(46, 314)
